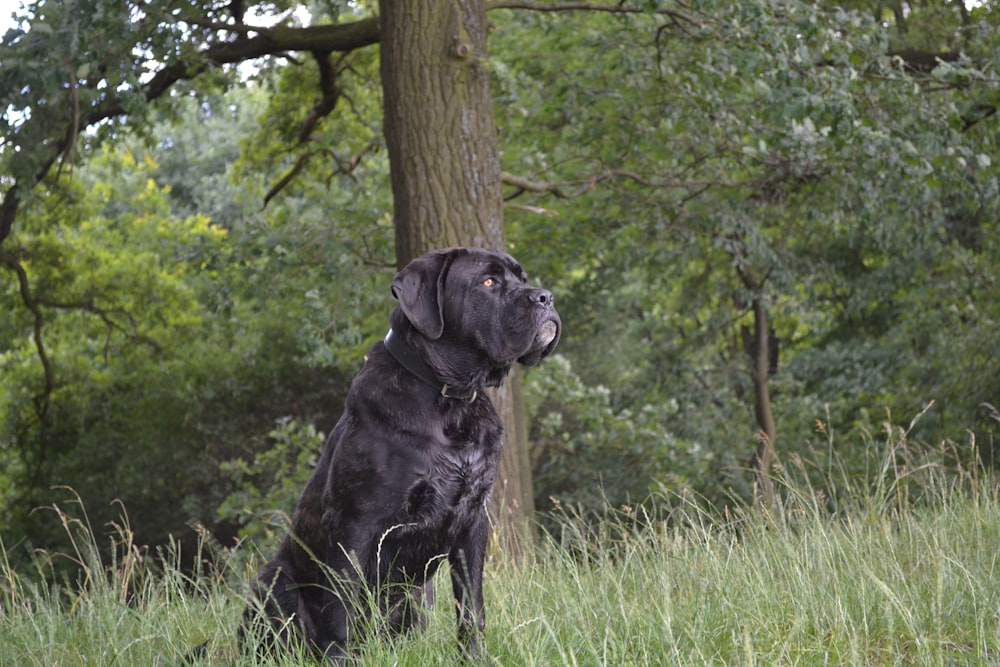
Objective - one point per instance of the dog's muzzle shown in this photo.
(546, 333)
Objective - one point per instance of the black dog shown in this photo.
(405, 474)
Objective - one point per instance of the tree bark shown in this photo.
(760, 356)
(764, 456)
(446, 178)
(513, 503)
(439, 126)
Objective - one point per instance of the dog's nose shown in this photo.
(542, 297)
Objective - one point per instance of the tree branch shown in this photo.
(978, 114)
(41, 401)
(330, 93)
(620, 8)
(8, 211)
(299, 165)
(537, 210)
(105, 315)
(563, 191)
(527, 185)
(915, 60)
(272, 41)
(268, 41)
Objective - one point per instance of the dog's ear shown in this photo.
(419, 288)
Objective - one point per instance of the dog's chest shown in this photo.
(466, 465)
(464, 473)
(458, 479)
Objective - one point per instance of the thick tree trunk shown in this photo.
(513, 501)
(439, 125)
(446, 178)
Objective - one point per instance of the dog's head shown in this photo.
(478, 301)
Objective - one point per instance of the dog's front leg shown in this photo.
(466, 561)
(334, 640)
(339, 613)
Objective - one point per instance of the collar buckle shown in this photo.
(470, 399)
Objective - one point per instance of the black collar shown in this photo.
(409, 360)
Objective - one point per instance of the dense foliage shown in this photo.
(170, 341)
(741, 151)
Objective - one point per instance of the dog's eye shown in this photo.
(489, 282)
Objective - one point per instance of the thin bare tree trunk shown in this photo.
(760, 368)
(764, 456)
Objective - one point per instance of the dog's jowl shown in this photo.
(404, 476)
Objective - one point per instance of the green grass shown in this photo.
(883, 582)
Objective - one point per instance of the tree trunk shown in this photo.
(513, 503)
(761, 360)
(446, 179)
(439, 125)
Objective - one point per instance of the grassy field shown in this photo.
(891, 579)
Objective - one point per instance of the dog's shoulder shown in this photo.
(384, 388)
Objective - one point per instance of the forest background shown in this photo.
(762, 221)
